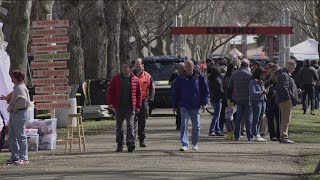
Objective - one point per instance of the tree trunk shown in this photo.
(94, 43)
(125, 36)
(113, 11)
(40, 9)
(71, 10)
(19, 36)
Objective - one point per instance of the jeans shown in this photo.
(140, 120)
(258, 109)
(178, 118)
(194, 115)
(243, 110)
(17, 137)
(308, 90)
(214, 126)
(128, 114)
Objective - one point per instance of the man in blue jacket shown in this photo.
(190, 92)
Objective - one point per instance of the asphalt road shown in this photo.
(161, 159)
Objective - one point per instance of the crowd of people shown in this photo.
(241, 94)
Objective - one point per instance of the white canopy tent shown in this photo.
(6, 85)
(307, 49)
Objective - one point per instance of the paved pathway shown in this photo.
(216, 158)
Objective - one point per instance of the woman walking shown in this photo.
(257, 93)
(18, 101)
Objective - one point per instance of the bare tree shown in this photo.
(93, 38)
(71, 10)
(113, 11)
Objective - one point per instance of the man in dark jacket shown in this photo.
(238, 84)
(307, 79)
(286, 97)
(190, 92)
(124, 98)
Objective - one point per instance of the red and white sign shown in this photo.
(45, 106)
(44, 98)
(47, 73)
(54, 23)
(48, 32)
(48, 40)
(53, 89)
(50, 81)
(49, 48)
(46, 65)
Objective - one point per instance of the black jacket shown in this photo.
(216, 90)
(306, 75)
(286, 87)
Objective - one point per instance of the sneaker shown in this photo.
(219, 134)
(23, 162)
(259, 139)
(312, 113)
(212, 134)
(184, 148)
(142, 144)
(131, 148)
(195, 147)
(274, 139)
(286, 141)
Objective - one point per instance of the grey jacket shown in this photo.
(286, 87)
(19, 98)
(239, 83)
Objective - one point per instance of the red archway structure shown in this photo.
(269, 30)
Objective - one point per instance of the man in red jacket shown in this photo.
(124, 98)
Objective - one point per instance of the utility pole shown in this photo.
(284, 43)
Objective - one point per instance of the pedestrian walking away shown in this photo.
(190, 92)
(173, 77)
(19, 102)
(147, 95)
(124, 98)
(307, 78)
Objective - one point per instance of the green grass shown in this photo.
(3, 158)
(91, 127)
(305, 128)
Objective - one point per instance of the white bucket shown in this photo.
(62, 114)
(31, 110)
